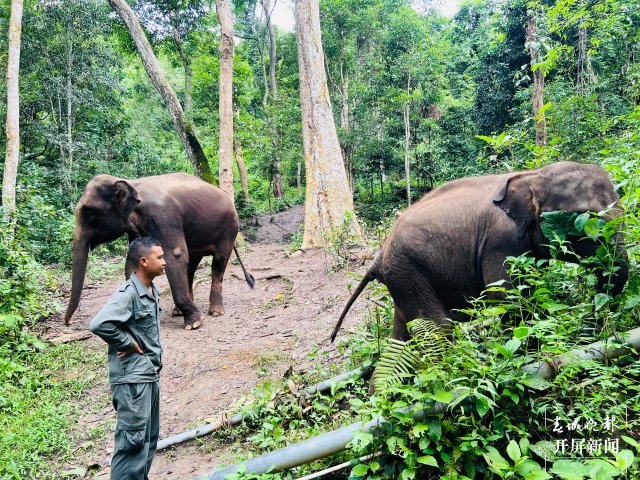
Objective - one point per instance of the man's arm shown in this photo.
(106, 324)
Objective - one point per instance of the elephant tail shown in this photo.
(247, 276)
(372, 274)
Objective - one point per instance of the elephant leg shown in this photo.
(218, 266)
(400, 330)
(408, 307)
(177, 273)
(417, 300)
(194, 261)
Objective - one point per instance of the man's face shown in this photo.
(153, 263)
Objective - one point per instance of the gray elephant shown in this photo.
(189, 217)
(448, 246)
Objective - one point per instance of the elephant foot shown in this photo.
(216, 311)
(193, 322)
(193, 326)
(176, 312)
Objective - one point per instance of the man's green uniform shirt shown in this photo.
(132, 314)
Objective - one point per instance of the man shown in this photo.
(129, 323)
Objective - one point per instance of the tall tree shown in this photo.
(538, 78)
(268, 10)
(13, 113)
(225, 148)
(328, 197)
(182, 125)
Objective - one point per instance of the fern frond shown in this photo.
(428, 340)
(396, 363)
(400, 360)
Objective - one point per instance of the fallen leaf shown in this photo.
(293, 387)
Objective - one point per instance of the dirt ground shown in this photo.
(294, 306)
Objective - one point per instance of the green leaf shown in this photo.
(521, 333)
(537, 475)
(419, 429)
(600, 300)
(631, 441)
(423, 443)
(435, 429)
(392, 442)
(408, 474)
(360, 470)
(569, 470)
(592, 227)
(559, 223)
(513, 345)
(600, 470)
(428, 460)
(374, 466)
(361, 440)
(544, 449)
(632, 302)
(624, 459)
(442, 396)
(524, 445)
(553, 307)
(513, 450)
(482, 406)
(504, 351)
(535, 382)
(581, 221)
(528, 466)
(495, 460)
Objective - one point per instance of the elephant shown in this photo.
(190, 218)
(452, 243)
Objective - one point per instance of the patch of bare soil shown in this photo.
(294, 306)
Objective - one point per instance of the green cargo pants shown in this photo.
(138, 426)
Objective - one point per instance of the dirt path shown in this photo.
(295, 304)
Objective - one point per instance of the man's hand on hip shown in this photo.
(135, 349)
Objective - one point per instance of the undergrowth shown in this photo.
(472, 408)
(38, 382)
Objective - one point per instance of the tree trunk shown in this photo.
(328, 198)
(68, 174)
(538, 81)
(266, 5)
(278, 191)
(265, 83)
(242, 172)
(345, 148)
(188, 74)
(407, 143)
(183, 127)
(225, 149)
(586, 77)
(380, 137)
(299, 177)
(13, 114)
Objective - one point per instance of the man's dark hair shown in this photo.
(139, 248)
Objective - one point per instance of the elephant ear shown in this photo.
(518, 199)
(126, 197)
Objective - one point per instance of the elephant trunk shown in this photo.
(80, 258)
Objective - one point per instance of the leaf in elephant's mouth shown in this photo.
(560, 223)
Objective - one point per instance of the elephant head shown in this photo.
(102, 215)
(568, 187)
